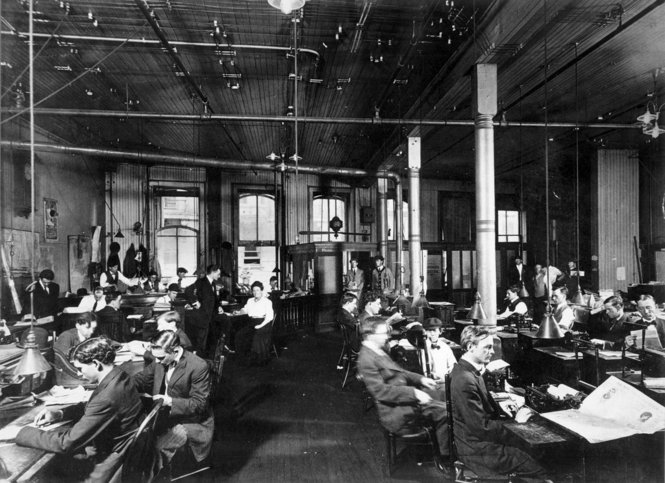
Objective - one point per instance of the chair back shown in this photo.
(451, 423)
(138, 457)
(216, 365)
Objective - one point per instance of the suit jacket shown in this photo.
(358, 278)
(601, 327)
(109, 419)
(390, 386)
(45, 303)
(65, 373)
(150, 287)
(660, 328)
(514, 275)
(189, 387)
(346, 318)
(383, 281)
(112, 324)
(203, 292)
(478, 431)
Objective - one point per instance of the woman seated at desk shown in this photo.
(109, 418)
(254, 340)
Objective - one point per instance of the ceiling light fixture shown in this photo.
(649, 120)
(287, 6)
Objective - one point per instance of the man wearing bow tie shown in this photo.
(646, 306)
(181, 380)
(438, 357)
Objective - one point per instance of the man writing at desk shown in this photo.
(109, 418)
(478, 429)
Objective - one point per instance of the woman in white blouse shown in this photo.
(254, 340)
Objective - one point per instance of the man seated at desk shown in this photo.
(439, 358)
(94, 302)
(151, 285)
(514, 305)
(401, 405)
(182, 381)
(346, 317)
(646, 307)
(373, 305)
(610, 324)
(109, 418)
(477, 425)
(111, 321)
(65, 372)
(562, 312)
(167, 301)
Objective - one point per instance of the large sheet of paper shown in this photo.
(614, 410)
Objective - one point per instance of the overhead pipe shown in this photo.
(309, 119)
(149, 42)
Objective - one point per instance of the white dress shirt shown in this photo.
(88, 302)
(260, 309)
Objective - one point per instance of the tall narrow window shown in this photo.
(391, 209)
(324, 208)
(256, 238)
(508, 226)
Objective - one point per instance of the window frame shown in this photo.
(341, 194)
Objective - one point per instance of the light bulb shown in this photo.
(655, 131)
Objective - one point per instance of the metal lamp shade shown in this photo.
(477, 312)
(578, 298)
(524, 293)
(549, 329)
(32, 361)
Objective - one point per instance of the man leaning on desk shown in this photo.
(109, 418)
(478, 420)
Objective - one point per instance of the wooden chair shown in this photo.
(421, 436)
(350, 356)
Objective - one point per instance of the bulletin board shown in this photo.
(79, 249)
(18, 249)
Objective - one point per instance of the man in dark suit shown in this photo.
(611, 324)
(355, 279)
(346, 316)
(182, 381)
(151, 285)
(477, 418)
(401, 405)
(45, 295)
(111, 321)
(109, 418)
(518, 273)
(203, 300)
(65, 372)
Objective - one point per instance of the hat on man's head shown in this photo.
(182, 269)
(432, 323)
(174, 287)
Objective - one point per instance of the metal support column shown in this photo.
(414, 215)
(382, 225)
(484, 109)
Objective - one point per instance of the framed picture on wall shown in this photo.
(50, 219)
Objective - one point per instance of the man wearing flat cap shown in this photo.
(438, 357)
(45, 295)
(383, 280)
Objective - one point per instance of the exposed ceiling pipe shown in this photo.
(189, 160)
(309, 119)
(150, 42)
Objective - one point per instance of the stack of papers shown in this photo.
(62, 395)
(561, 391)
(565, 354)
(654, 382)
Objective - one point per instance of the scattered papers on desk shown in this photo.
(497, 365)
(601, 343)
(42, 321)
(509, 388)
(63, 395)
(561, 391)
(654, 382)
(565, 354)
(509, 403)
(625, 411)
(610, 354)
(139, 316)
(122, 357)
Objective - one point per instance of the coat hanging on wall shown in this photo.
(129, 265)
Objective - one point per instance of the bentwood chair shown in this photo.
(350, 355)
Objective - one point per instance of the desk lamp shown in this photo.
(477, 312)
(32, 361)
(549, 329)
(401, 302)
(420, 301)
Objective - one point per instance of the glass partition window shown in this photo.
(508, 226)
(324, 208)
(177, 246)
(391, 208)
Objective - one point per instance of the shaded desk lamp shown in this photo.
(477, 312)
(549, 329)
(402, 303)
(578, 298)
(32, 361)
(524, 293)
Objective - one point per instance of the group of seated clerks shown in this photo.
(92, 448)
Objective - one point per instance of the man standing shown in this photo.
(383, 280)
(562, 313)
(539, 293)
(45, 294)
(112, 276)
(94, 302)
(203, 299)
(400, 403)
(477, 418)
(355, 279)
(182, 381)
(180, 279)
(518, 275)
(65, 373)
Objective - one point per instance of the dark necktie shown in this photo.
(94, 306)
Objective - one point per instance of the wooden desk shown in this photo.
(556, 366)
(21, 463)
(605, 364)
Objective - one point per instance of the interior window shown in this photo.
(256, 238)
(324, 208)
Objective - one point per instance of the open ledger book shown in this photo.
(614, 410)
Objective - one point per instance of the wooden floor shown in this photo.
(293, 422)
